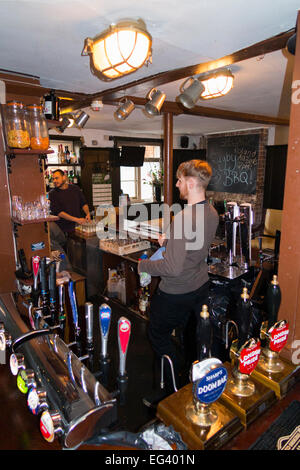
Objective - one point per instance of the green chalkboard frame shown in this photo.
(234, 161)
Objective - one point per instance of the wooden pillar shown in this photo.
(168, 158)
(289, 260)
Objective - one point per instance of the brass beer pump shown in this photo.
(246, 397)
(195, 410)
(274, 371)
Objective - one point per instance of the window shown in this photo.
(136, 181)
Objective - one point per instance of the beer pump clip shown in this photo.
(273, 333)
(276, 338)
(209, 379)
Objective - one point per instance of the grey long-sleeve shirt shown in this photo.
(183, 268)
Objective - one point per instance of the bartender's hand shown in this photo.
(81, 221)
(161, 239)
(88, 217)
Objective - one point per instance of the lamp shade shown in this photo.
(217, 84)
(121, 49)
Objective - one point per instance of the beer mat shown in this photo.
(284, 432)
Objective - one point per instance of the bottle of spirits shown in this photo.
(67, 154)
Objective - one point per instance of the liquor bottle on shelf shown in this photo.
(51, 184)
(67, 154)
(75, 179)
(51, 106)
(47, 181)
(61, 155)
(70, 177)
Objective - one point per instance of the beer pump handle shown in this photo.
(72, 297)
(124, 331)
(35, 290)
(243, 317)
(89, 309)
(52, 292)
(35, 268)
(204, 334)
(43, 276)
(273, 301)
(104, 323)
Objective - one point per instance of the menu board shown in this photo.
(234, 163)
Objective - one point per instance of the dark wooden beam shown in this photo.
(168, 159)
(263, 47)
(289, 255)
(205, 111)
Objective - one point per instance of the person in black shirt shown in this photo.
(68, 202)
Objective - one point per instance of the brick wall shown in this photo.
(255, 199)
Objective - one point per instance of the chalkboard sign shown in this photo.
(234, 163)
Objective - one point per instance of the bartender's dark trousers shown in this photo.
(168, 312)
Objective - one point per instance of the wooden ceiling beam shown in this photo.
(205, 111)
(263, 47)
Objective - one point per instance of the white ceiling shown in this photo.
(45, 38)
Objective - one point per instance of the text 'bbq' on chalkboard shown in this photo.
(234, 163)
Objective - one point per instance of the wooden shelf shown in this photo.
(10, 151)
(51, 218)
(63, 164)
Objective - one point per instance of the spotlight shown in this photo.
(124, 110)
(190, 95)
(81, 119)
(156, 100)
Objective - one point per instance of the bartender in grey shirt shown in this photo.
(183, 288)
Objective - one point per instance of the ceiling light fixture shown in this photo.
(124, 109)
(81, 119)
(78, 119)
(216, 84)
(156, 100)
(121, 49)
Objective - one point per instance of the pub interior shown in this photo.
(77, 368)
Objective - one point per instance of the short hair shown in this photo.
(199, 169)
(59, 171)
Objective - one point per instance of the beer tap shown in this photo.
(53, 293)
(244, 351)
(62, 314)
(274, 333)
(124, 331)
(72, 297)
(35, 290)
(104, 323)
(89, 323)
(44, 288)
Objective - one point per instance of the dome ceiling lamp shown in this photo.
(120, 50)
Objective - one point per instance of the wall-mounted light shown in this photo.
(124, 110)
(121, 49)
(190, 95)
(156, 100)
(216, 84)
